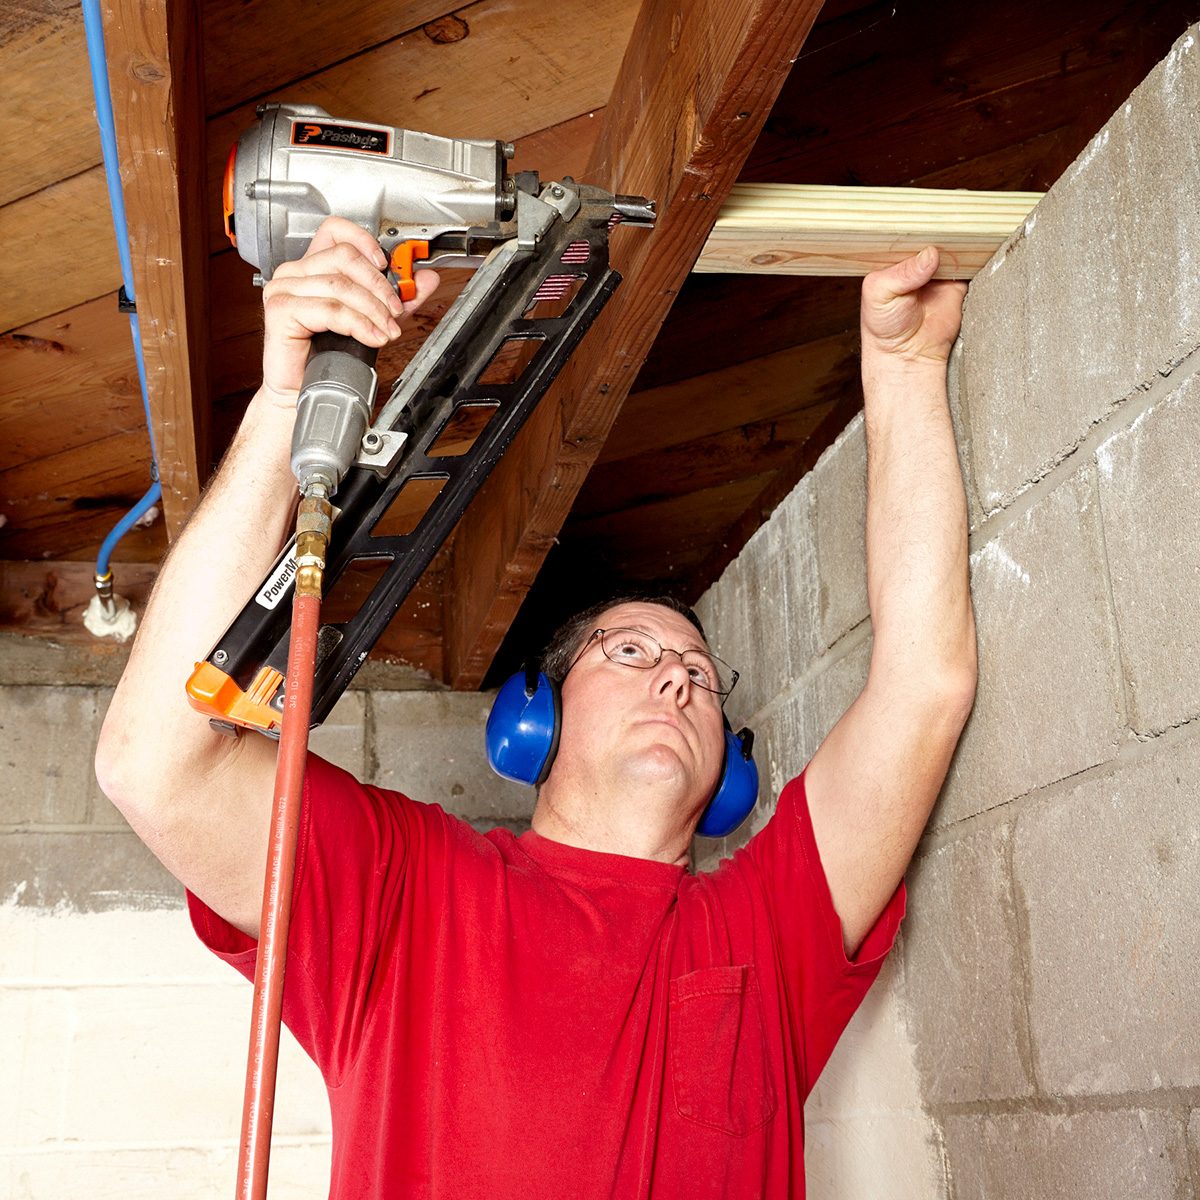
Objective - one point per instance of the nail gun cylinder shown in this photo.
(333, 411)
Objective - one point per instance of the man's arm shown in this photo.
(199, 800)
(874, 780)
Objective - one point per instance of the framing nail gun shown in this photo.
(540, 256)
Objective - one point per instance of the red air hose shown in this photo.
(259, 1104)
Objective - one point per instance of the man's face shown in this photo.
(653, 727)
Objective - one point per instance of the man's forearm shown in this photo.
(917, 580)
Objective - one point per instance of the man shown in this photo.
(570, 1013)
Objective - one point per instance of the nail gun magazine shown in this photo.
(541, 274)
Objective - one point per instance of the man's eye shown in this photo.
(629, 650)
(701, 675)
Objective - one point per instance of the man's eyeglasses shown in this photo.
(633, 648)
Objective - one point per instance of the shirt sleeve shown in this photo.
(826, 986)
(353, 856)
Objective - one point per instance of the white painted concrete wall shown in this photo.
(123, 1047)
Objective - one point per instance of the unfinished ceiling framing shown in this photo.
(689, 411)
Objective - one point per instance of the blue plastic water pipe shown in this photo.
(98, 61)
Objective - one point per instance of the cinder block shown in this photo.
(1148, 475)
(73, 1172)
(797, 554)
(784, 741)
(109, 949)
(717, 610)
(872, 1070)
(100, 809)
(786, 736)
(48, 736)
(342, 738)
(1049, 699)
(1156, 143)
(732, 616)
(1110, 298)
(35, 660)
(839, 685)
(994, 372)
(761, 615)
(962, 973)
(840, 500)
(84, 872)
(1108, 873)
(873, 1156)
(1047, 1156)
(430, 746)
(779, 597)
(960, 420)
(110, 1065)
(1193, 1137)
(1080, 348)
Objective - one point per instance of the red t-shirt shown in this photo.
(500, 1016)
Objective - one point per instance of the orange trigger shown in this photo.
(402, 266)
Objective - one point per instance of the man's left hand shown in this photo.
(909, 317)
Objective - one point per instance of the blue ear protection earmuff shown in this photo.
(522, 739)
(522, 728)
(738, 789)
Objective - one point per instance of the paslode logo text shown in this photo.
(339, 135)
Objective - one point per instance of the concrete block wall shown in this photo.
(122, 1041)
(1036, 1034)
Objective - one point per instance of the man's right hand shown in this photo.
(338, 286)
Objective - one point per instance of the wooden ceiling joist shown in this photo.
(695, 86)
(155, 77)
(48, 599)
(810, 229)
(487, 83)
(47, 88)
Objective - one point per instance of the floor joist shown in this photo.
(158, 109)
(694, 89)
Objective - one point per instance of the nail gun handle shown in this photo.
(334, 410)
(323, 343)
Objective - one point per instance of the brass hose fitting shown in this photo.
(104, 589)
(313, 523)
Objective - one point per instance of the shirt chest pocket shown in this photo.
(720, 1070)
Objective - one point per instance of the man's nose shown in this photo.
(671, 674)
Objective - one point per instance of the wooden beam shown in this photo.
(719, 320)
(35, 280)
(251, 46)
(695, 87)
(47, 130)
(667, 540)
(155, 77)
(809, 229)
(764, 389)
(520, 67)
(64, 503)
(47, 599)
(752, 448)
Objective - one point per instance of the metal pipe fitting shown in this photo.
(104, 589)
(314, 521)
